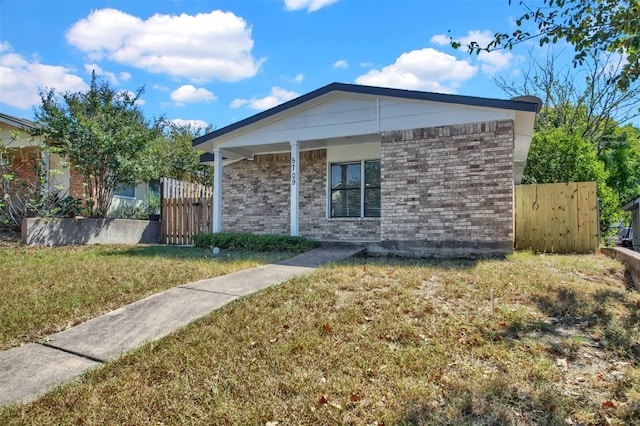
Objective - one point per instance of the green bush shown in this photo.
(250, 242)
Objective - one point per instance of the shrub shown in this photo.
(251, 242)
(131, 212)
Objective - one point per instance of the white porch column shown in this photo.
(217, 189)
(295, 186)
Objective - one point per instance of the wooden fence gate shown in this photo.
(557, 217)
(186, 210)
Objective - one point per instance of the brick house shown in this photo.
(25, 152)
(405, 172)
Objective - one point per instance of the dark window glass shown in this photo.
(372, 188)
(345, 190)
(125, 191)
(154, 187)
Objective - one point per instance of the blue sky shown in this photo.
(217, 62)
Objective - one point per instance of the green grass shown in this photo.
(386, 341)
(45, 290)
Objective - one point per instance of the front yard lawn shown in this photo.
(45, 290)
(383, 342)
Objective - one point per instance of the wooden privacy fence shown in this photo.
(186, 210)
(557, 217)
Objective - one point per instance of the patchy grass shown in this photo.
(387, 341)
(45, 290)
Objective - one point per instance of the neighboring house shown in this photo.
(25, 151)
(406, 172)
(134, 196)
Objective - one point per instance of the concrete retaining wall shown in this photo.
(63, 231)
(629, 257)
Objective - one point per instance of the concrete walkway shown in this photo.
(28, 371)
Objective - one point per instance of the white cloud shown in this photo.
(107, 75)
(276, 97)
(493, 62)
(490, 62)
(20, 80)
(342, 63)
(201, 47)
(425, 69)
(194, 124)
(160, 87)
(310, 5)
(440, 39)
(189, 93)
(298, 78)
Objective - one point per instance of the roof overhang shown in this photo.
(340, 114)
(632, 205)
(10, 124)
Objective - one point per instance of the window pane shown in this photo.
(125, 191)
(345, 176)
(372, 202)
(372, 174)
(345, 203)
(372, 189)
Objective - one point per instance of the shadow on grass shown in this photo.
(594, 313)
(606, 320)
(193, 253)
(492, 404)
(397, 261)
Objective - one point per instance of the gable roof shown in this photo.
(520, 104)
(20, 123)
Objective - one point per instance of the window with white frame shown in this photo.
(349, 196)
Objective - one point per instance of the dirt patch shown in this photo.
(589, 372)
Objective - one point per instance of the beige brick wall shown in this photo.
(256, 198)
(449, 187)
(445, 190)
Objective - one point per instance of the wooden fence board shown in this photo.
(186, 211)
(556, 218)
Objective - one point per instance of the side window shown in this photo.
(125, 191)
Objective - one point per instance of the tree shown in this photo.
(172, 155)
(582, 100)
(621, 159)
(559, 155)
(582, 104)
(589, 26)
(102, 133)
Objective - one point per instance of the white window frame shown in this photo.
(362, 189)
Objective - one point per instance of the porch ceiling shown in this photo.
(249, 151)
